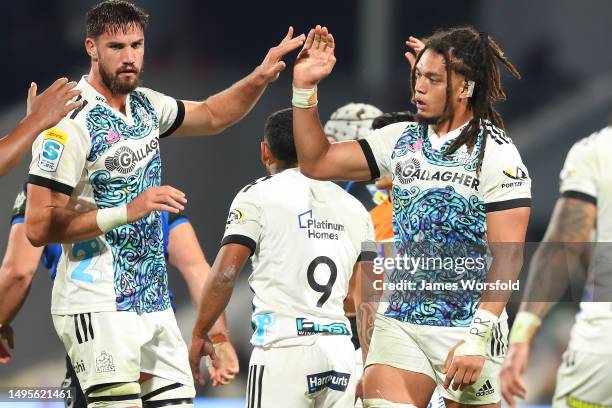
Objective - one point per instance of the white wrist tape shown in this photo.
(110, 218)
(478, 334)
(524, 327)
(304, 98)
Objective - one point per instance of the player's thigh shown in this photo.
(104, 347)
(397, 369)
(584, 380)
(161, 392)
(337, 375)
(73, 394)
(436, 343)
(293, 376)
(454, 404)
(166, 354)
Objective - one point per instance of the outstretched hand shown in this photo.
(53, 104)
(273, 65)
(416, 46)
(316, 60)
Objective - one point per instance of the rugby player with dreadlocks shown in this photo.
(458, 184)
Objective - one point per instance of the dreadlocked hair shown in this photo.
(474, 55)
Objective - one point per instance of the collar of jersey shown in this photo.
(90, 94)
(436, 142)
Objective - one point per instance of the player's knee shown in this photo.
(383, 403)
(116, 395)
(158, 391)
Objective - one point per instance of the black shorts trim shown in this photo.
(508, 204)
(579, 196)
(167, 402)
(50, 184)
(369, 155)
(240, 239)
(178, 121)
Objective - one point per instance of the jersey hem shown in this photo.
(178, 121)
(369, 155)
(508, 204)
(579, 196)
(50, 184)
(240, 239)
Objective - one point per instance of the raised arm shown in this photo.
(44, 111)
(227, 107)
(318, 158)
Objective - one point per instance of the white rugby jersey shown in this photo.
(587, 175)
(102, 158)
(305, 236)
(440, 200)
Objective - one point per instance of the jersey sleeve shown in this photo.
(578, 178)
(58, 157)
(368, 245)
(175, 220)
(378, 147)
(244, 222)
(505, 180)
(170, 111)
(18, 213)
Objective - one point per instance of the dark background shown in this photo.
(196, 48)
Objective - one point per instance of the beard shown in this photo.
(116, 84)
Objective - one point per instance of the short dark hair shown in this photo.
(114, 16)
(278, 134)
(390, 118)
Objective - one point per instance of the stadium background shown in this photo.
(195, 48)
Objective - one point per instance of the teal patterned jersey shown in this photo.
(440, 206)
(103, 158)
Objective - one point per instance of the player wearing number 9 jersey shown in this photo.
(304, 238)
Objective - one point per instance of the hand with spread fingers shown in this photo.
(416, 46)
(273, 65)
(224, 367)
(316, 60)
(48, 108)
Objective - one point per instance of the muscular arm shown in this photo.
(222, 110)
(50, 221)
(366, 303)
(19, 141)
(18, 267)
(219, 285)
(506, 234)
(563, 249)
(185, 254)
(322, 160)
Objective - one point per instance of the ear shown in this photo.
(265, 153)
(468, 89)
(91, 48)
